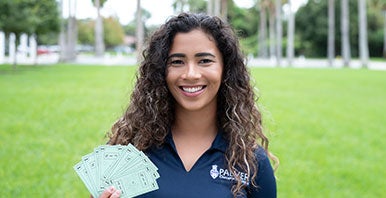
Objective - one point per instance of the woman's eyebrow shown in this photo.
(178, 55)
(201, 54)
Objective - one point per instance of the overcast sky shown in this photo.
(125, 9)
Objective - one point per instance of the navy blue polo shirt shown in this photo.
(209, 176)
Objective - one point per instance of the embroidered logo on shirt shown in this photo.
(225, 174)
(214, 172)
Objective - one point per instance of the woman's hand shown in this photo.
(111, 192)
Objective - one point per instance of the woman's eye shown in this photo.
(176, 62)
(206, 61)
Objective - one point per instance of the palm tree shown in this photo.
(384, 32)
(68, 35)
(209, 7)
(262, 33)
(290, 34)
(224, 9)
(178, 5)
(99, 43)
(346, 52)
(331, 32)
(363, 41)
(217, 8)
(139, 31)
(62, 35)
(272, 32)
(279, 32)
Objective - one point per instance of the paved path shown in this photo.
(109, 60)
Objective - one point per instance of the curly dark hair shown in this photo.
(150, 113)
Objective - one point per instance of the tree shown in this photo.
(140, 31)
(279, 32)
(290, 34)
(224, 9)
(33, 17)
(363, 41)
(113, 32)
(345, 22)
(99, 44)
(218, 8)
(214, 7)
(192, 6)
(384, 32)
(272, 32)
(262, 33)
(179, 5)
(68, 34)
(331, 32)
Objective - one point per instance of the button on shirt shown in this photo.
(209, 176)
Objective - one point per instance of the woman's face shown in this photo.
(194, 71)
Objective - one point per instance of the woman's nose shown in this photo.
(192, 72)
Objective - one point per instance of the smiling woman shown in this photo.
(193, 113)
(194, 71)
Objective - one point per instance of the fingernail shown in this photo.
(111, 189)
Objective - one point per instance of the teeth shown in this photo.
(192, 89)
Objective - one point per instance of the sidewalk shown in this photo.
(109, 60)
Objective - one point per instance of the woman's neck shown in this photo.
(195, 123)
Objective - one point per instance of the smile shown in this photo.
(192, 89)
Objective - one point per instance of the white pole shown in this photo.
(2, 47)
(12, 47)
(23, 47)
(32, 49)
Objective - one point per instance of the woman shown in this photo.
(193, 113)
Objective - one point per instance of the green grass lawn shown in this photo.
(326, 126)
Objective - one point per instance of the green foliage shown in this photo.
(312, 23)
(194, 5)
(325, 125)
(86, 31)
(101, 2)
(245, 22)
(29, 16)
(113, 32)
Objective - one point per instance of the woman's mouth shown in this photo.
(192, 89)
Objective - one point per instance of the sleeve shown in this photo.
(265, 180)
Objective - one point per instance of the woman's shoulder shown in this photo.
(260, 153)
(265, 179)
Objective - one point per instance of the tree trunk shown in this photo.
(363, 41)
(139, 32)
(331, 32)
(272, 34)
(12, 49)
(346, 52)
(224, 9)
(290, 35)
(217, 7)
(71, 38)
(209, 7)
(279, 33)
(384, 34)
(62, 36)
(99, 44)
(262, 35)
